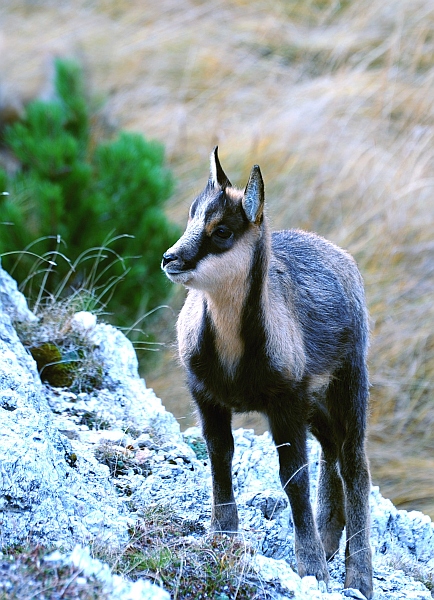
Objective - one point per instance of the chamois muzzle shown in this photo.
(168, 257)
(175, 267)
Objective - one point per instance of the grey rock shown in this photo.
(39, 492)
(270, 504)
(51, 485)
(12, 301)
(352, 593)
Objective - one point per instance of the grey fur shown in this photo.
(278, 324)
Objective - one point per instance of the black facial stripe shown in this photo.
(206, 245)
(235, 222)
(221, 211)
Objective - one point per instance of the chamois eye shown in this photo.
(222, 232)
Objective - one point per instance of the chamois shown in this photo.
(277, 323)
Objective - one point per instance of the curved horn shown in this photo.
(217, 175)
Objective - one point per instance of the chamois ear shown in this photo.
(217, 176)
(253, 199)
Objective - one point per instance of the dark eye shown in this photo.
(222, 232)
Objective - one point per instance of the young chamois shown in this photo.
(277, 323)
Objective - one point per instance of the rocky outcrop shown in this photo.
(51, 486)
(75, 467)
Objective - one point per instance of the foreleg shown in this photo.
(216, 427)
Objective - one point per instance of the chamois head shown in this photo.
(222, 226)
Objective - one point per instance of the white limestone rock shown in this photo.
(124, 396)
(41, 494)
(12, 301)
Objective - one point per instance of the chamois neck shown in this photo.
(247, 271)
(240, 292)
(225, 312)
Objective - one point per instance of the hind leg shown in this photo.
(350, 396)
(290, 439)
(330, 508)
(330, 502)
(358, 556)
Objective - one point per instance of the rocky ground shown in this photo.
(78, 467)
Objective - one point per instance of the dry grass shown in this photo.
(175, 554)
(63, 353)
(163, 548)
(335, 101)
(25, 574)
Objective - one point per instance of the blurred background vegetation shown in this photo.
(90, 206)
(334, 100)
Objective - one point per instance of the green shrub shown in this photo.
(83, 193)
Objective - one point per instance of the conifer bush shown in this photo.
(71, 193)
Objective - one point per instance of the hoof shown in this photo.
(225, 519)
(361, 582)
(358, 569)
(313, 565)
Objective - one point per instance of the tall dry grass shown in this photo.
(335, 101)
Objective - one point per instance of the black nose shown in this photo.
(167, 258)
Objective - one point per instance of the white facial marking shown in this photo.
(190, 238)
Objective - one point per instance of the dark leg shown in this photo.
(330, 510)
(358, 558)
(330, 505)
(290, 439)
(216, 427)
(350, 391)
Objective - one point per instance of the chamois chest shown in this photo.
(221, 366)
